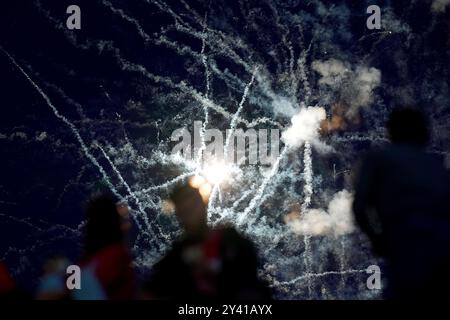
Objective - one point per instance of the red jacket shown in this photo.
(113, 269)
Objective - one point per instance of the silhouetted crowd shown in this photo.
(203, 264)
(401, 203)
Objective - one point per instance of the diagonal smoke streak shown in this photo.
(165, 185)
(255, 202)
(67, 122)
(230, 134)
(131, 20)
(128, 66)
(130, 192)
(77, 136)
(235, 118)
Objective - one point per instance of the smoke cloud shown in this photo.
(305, 126)
(332, 71)
(283, 106)
(355, 85)
(440, 5)
(337, 220)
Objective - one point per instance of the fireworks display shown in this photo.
(308, 78)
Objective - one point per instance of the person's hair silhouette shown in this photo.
(190, 209)
(408, 126)
(107, 269)
(205, 262)
(103, 224)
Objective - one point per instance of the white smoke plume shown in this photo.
(332, 71)
(355, 85)
(440, 5)
(337, 220)
(283, 106)
(305, 126)
(365, 81)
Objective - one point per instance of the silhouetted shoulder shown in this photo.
(232, 239)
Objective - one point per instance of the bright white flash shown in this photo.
(217, 172)
(214, 173)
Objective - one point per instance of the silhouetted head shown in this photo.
(190, 209)
(408, 126)
(104, 223)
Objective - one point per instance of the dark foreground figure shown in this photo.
(205, 263)
(107, 271)
(402, 203)
(106, 264)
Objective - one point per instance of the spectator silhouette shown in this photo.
(205, 263)
(106, 265)
(401, 203)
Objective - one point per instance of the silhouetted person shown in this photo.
(205, 263)
(402, 203)
(106, 267)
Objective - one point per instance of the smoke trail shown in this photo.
(318, 275)
(133, 21)
(307, 176)
(230, 134)
(205, 108)
(68, 123)
(255, 202)
(136, 200)
(165, 185)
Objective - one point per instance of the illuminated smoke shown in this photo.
(355, 85)
(304, 127)
(337, 220)
(440, 5)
